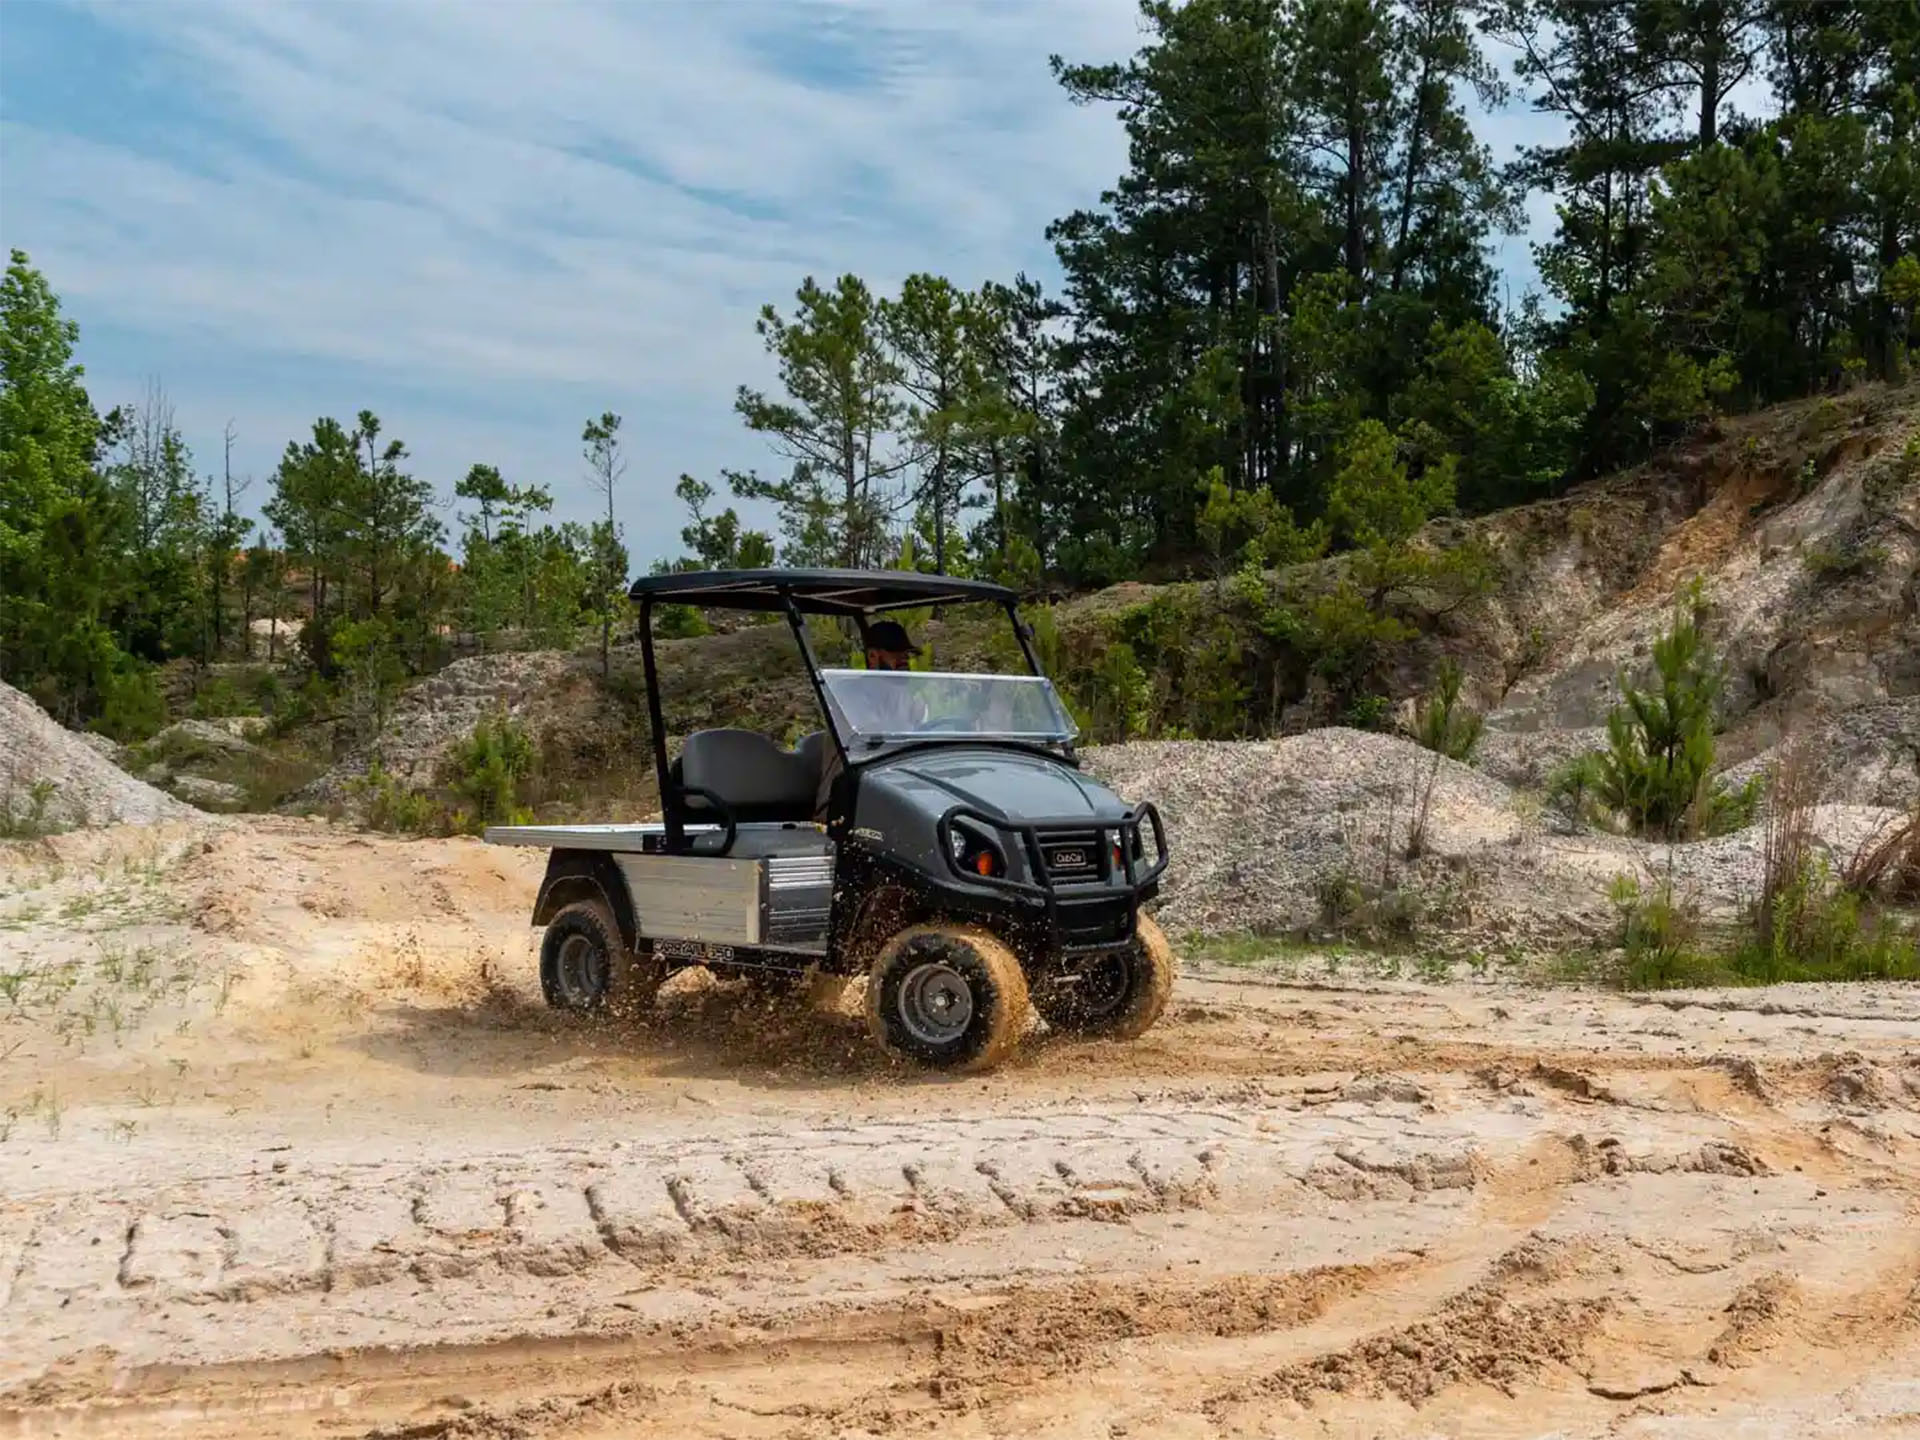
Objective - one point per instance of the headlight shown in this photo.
(974, 852)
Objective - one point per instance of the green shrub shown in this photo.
(1340, 897)
(1845, 561)
(221, 697)
(1573, 787)
(1119, 697)
(391, 806)
(371, 668)
(680, 622)
(1820, 930)
(1366, 712)
(488, 766)
(1442, 724)
(1659, 934)
(314, 700)
(30, 822)
(131, 705)
(1345, 636)
(1656, 772)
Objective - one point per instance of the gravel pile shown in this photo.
(1526, 759)
(1260, 829)
(88, 788)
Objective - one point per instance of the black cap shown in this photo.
(888, 636)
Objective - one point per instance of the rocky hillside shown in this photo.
(1802, 524)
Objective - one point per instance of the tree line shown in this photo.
(1292, 278)
(117, 554)
(1290, 289)
(1276, 334)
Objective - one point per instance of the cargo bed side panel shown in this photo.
(678, 897)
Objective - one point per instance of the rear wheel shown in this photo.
(585, 964)
(1116, 996)
(950, 998)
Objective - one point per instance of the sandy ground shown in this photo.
(291, 1148)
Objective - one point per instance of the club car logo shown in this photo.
(1070, 859)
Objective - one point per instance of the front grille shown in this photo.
(1071, 855)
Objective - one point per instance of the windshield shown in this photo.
(871, 707)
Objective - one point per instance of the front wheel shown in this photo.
(1117, 996)
(950, 998)
(585, 964)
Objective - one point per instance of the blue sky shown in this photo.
(486, 220)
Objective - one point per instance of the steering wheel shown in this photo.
(948, 723)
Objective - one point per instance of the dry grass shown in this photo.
(1793, 790)
(1887, 864)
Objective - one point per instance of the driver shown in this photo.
(889, 647)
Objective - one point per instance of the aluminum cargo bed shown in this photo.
(783, 837)
(577, 837)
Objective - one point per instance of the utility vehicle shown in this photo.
(936, 834)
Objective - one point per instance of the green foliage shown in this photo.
(63, 530)
(131, 705)
(249, 692)
(1346, 635)
(1659, 937)
(840, 411)
(679, 622)
(1845, 560)
(1250, 528)
(607, 604)
(1442, 723)
(488, 766)
(27, 821)
(1119, 703)
(1820, 930)
(716, 542)
(371, 670)
(389, 805)
(1517, 438)
(361, 527)
(1573, 787)
(1375, 501)
(1367, 712)
(1656, 772)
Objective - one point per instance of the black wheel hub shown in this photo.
(1102, 986)
(581, 969)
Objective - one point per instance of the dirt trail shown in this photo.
(291, 1148)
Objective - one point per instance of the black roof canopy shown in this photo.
(816, 592)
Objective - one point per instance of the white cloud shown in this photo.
(470, 211)
(487, 220)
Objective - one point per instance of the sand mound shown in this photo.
(88, 788)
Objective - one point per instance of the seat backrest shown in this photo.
(812, 748)
(755, 778)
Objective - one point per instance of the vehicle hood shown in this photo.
(1003, 784)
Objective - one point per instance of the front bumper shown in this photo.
(1089, 905)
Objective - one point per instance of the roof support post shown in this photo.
(1023, 632)
(670, 812)
(799, 625)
